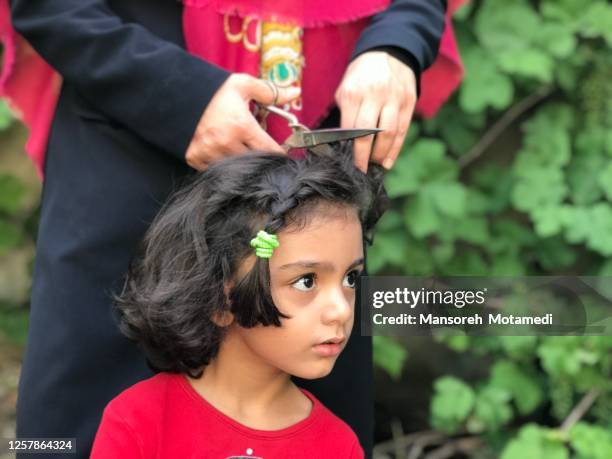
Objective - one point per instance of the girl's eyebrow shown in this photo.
(317, 264)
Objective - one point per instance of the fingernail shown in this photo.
(388, 163)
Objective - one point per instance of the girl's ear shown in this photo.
(222, 319)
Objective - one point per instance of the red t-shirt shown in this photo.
(165, 418)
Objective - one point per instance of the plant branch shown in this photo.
(581, 409)
(502, 124)
(423, 437)
(460, 445)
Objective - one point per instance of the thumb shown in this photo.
(262, 91)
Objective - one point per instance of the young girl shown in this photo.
(246, 278)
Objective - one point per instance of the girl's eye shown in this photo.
(305, 283)
(350, 280)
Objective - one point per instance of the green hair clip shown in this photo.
(264, 244)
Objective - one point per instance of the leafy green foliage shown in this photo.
(536, 201)
(17, 232)
(451, 403)
(389, 355)
(535, 441)
(522, 387)
(591, 442)
(6, 117)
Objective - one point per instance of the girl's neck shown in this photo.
(251, 391)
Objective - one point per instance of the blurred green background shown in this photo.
(512, 177)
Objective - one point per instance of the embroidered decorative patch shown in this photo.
(282, 58)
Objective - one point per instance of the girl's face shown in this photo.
(313, 275)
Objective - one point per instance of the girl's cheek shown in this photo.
(294, 298)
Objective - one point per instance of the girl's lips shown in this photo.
(329, 350)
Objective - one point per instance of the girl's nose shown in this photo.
(337, 308)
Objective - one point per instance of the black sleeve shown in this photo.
(409, 30)
(149, 85)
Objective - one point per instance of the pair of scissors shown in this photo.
(317, 140)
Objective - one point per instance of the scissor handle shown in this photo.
(292, 120)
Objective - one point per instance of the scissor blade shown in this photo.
(320, 136)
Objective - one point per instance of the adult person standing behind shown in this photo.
(136, 113)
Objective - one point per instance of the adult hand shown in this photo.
(228, 127)
(377, 90)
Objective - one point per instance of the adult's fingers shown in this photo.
(389, 118)
(201, 162)
(258, 139)
(402, 129)
(263, 92)
(367, 117)
(349, 108)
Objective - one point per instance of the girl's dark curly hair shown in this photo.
(200, 237)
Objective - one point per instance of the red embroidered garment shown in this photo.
(32, 87)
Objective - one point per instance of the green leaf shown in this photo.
(509, 235)
(443, 251)
(484, 85)
(553, 253)
(563, 356)
(478, 202)
(495, 182)
(389, 355)
(14, 323)
(418, 260)
(468, 262)
(492, 407)
(564, 11)
(597, 21)
(12, 192)
(506, 25)
(538, 187)
(557, 39)
(547, 139)
(389, 249)
(600, 230)
(471, 229)
(580, 173)
(591, 441)
(534, 441)
(548, 220)
(577, 224)
(6, 116)
(391, 220)
(463, 12)
(507, 264)
(458, 129)
(528, 63)
(402, 179)
(449, 198)
(519, 41)
(451, 403)
(421, 217)
(567, 75)
(453, 338)
(591, 141)
(423, 162)
(10, 236)
(524, 388)
(519, 347)
(605, 180)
